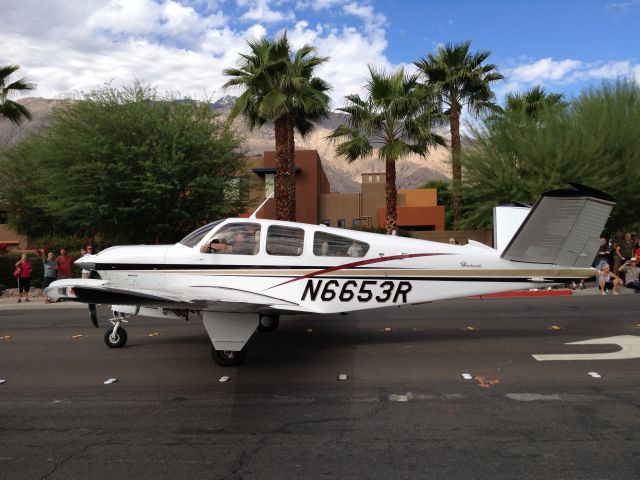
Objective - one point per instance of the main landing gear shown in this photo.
(230, 332)
(228, 358)
(116, 337)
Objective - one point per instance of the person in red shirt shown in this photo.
(24, 277)
(65, 264)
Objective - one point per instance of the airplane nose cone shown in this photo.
(88, 262)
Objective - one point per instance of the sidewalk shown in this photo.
(36, 302)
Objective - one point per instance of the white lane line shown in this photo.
(533, 397)
(629, 348)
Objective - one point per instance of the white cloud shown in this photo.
(65, 46)
(317, 5)
(559, 74)
(176, 45)
(544, 70)
(261, 12)
(609, 71)
(373, 21)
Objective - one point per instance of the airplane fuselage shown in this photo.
(393, 270)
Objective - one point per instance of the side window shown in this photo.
(329, 245)
(287, 241)
(237, 239)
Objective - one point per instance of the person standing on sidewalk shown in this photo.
(624, 251)
(65, 265)
(24, 277)
(50, 272)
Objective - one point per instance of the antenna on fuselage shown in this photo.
(253, 215)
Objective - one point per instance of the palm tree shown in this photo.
(397, 118)
(280, 88)
(461, 79)
(15, 112)
(533, 101)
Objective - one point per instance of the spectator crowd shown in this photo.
(55, 268)
(617, 264)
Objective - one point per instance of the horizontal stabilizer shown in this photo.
(562, 228)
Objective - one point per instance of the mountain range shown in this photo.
(343, 177)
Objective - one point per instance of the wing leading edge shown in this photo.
(219, 299)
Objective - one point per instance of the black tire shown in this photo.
(268, 323)
(228, 358)
(118, 340)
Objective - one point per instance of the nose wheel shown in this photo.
(116, 336)
(115, 339)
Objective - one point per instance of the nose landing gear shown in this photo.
(116, 337)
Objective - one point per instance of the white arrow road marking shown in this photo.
(629, 348)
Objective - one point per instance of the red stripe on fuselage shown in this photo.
(360, 263)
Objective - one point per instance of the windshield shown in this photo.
(194, 237)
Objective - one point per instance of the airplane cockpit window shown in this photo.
(235, 239)
(287, 241)
(329, 245)
(194, 237)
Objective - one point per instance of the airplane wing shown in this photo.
(216, 299)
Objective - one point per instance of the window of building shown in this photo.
(341, 223)
(287, 241)
(269, 184)
(329, 245)
(326, 222)
(237, 189)
(356, 223)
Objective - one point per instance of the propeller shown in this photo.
(93, 313)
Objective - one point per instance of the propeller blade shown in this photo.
(94, 314)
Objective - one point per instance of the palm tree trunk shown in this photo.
(291, 187)
(391, 194)
(456, 166)
(282, 169)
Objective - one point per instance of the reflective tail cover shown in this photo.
(562, 228)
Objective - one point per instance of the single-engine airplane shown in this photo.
(242, 274)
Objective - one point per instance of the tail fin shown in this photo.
(562, 228)
(507, 219)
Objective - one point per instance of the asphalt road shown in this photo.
(405, 411)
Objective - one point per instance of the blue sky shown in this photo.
(66, 46)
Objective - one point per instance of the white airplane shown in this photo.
(242, 274)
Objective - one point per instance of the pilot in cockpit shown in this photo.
(235, 239)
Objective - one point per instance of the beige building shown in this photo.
(418, 209)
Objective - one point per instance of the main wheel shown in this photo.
(268, 323)
(115, 340)
(228, 358)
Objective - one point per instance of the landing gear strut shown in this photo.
(268, 323)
